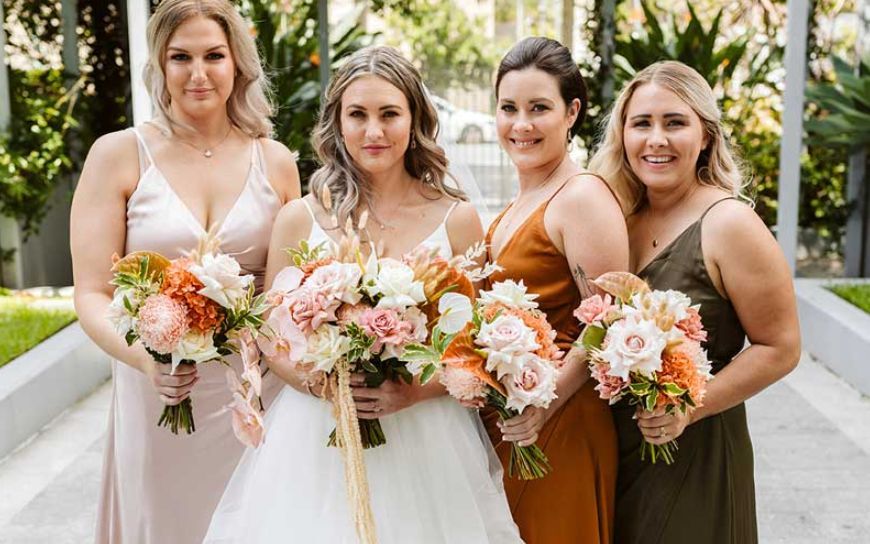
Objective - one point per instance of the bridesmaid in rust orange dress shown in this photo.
(563, 227)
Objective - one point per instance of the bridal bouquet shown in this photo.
(327, 309)
(500, 349)
(193, 309)
(645, 345)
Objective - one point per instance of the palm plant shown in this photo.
(844, 107)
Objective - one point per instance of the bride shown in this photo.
(437, 479)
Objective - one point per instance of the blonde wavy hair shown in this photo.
(249, 106)
(346, 181)
(717, 165)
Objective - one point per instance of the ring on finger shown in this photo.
(662, 432)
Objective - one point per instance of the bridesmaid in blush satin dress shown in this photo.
(562, 228)
(160, 189)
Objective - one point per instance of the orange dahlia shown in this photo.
(181, 285)
(679, 368)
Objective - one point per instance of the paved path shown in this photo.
(811, 435)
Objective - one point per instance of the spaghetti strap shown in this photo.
(710, 207)
(449, 211)
(143, 150)
(257, 158)
(310, 211)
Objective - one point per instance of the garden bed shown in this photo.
(857, 294)
(26, 321)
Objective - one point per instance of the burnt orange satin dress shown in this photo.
(575, 502)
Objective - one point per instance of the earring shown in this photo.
(570, 143)
(413, 142)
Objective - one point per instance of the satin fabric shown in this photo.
(157, 487)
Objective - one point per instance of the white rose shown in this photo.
(510, 293)
(326, 346)
(533, 385)
(633, 344)
(118, 315)
(337, 280)
(508, 344)
(396, 285)
(222, 278)
(194, 346)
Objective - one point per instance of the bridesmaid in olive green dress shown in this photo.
(665, 154)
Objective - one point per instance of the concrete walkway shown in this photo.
(811, 435)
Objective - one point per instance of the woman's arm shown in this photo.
(585, 223)
(109, 176)
(747, 266)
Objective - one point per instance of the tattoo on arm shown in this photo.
(583, 284)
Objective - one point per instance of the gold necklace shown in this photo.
(376, 218)
(208, 151)
(655, 238)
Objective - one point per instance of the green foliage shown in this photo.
(694, 45)
(23, 325)
(844, 105)
(287, 35)
(855, 293)
(444, 43)
(33, 155)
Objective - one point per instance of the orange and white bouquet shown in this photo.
(193, 309)
(645, 345)
(500, 349)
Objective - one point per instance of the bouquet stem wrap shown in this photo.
(350, 442)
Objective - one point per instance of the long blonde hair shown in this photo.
(248, 106)
(346, 182)
(716, 166)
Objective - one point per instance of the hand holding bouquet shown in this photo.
(499, 349)
(191, 310)
(645, 345)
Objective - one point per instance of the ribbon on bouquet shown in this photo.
(350, 443)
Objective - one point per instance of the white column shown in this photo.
(10, 237)
(138, 12)
(69, 13)
(792, 129)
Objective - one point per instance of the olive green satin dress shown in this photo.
(708, 494)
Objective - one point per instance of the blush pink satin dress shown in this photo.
(157, 487)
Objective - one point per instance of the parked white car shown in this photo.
(465, 126)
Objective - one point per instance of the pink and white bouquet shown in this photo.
(327, 309)
(193, 309)
(645, 345)
(499, 348)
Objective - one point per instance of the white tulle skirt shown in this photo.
(437, 480)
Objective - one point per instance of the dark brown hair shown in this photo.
(553, 58)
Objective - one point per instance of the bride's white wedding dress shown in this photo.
(437, 479)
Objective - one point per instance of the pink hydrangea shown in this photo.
(692, 326)
(462, 384)
(595, 309)
(162, 322)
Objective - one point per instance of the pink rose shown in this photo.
(462, 384)
(385, 326)
(609, 387)
(692, 326)
(309, 309)
(593, 310)
(162, 323)
(534, 384)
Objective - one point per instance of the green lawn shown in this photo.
(23, 324)
(856, 293)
